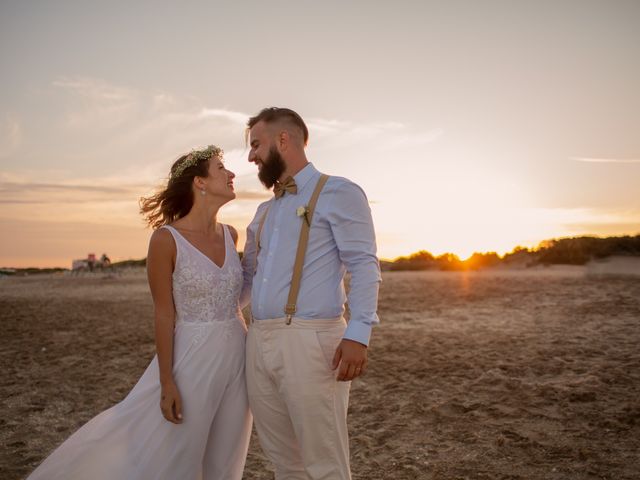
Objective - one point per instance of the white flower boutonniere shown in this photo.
(303, 212)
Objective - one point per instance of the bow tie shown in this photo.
(289, 185)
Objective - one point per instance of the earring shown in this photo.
(202, 192)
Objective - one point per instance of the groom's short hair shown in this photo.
(271, 115)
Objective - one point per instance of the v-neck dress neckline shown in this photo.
(224, 239)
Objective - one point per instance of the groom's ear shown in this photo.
(283, 140)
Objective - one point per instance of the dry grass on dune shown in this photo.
(502, 375)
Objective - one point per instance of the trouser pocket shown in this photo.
(328, 340)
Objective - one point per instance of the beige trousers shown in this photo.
(299, 408)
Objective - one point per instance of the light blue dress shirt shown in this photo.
(341, 239)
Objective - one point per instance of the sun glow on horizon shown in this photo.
(437, 217)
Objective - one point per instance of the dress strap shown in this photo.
(174, 233)
(228, 240)
(178, 242)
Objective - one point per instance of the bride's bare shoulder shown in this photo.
(162, 241)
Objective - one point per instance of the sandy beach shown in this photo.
(481, 375)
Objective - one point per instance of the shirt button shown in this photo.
(264, 280)
(275, 229)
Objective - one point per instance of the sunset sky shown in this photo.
(472, 126)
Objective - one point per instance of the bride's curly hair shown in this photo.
(176, 199)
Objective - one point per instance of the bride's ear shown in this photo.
(198, 182)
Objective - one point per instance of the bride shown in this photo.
(202, 426)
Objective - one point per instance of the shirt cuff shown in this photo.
(358, 332)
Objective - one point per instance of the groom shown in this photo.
(301, 355)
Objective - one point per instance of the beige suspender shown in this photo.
(290, 308)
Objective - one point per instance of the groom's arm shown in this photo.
(248, 262)
(352, 227)
(249, 257)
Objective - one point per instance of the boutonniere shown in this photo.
(303, 212)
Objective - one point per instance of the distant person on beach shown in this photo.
(301, 355)
(188, 417)
(91, 261)
(105, 261)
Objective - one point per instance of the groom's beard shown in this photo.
(272, 168)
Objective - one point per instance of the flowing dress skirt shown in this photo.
(132, 440)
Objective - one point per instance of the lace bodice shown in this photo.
(202, 291)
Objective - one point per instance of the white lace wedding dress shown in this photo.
(132, 440)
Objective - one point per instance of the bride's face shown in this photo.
(220, 180)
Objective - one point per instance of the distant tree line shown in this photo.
(563, 251)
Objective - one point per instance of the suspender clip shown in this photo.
(290, 311)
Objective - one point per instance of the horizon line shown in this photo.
(388, 260)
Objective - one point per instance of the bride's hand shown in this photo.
(171, 403)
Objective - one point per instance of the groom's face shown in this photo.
(265, 155)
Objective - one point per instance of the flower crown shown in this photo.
(194, 157)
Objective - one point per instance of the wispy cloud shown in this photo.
(98, 102)
(605, 160)
(154, 127)
(237, 117)
(14, 187)
(26, 192)
(97, 99)
(137, 134)
(95, 89)
(115, 125)
(387, 135)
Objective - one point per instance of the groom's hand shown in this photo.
(352, 358)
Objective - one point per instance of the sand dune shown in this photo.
(615, 266)
(494, 375)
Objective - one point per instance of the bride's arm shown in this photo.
(160, 263)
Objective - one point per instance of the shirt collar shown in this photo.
(304, 175)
